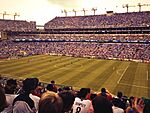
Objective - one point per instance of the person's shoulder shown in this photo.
(22, 106)
(34, 97)
(87, 101)
(117, 109)
(11, 95)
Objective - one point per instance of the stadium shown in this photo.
(109, 51)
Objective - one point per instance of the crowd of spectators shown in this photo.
(66, 100)
(133, 19)
(17, 25)
(130, 51)
(80, 37)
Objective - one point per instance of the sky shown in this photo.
(43, 11)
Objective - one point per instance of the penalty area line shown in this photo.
(122, 74)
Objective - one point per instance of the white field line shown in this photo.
(135, 85)
(122, 74)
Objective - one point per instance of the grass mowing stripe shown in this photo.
(148, 66)
(99, 80)
(148, 81)
(139, 82)
(13, 61)
(9, 65)
(73, 72)
(34, 68)
(128, 78)
(87, 62)
(141, 75)
(55, 61)
(111, 82)
(89, 68)
(53, 68)
(23, 66)
(54, 75)
(83, 82)
(50, 68)
(129, 75)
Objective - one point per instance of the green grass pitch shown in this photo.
(132, 78)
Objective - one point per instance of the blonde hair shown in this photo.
(50, 102)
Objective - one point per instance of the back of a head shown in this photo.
(50, 102)
(119, 94)
(52, 82)
(11, 82)
(66, 88)
(10, 86)
(103, 90)
(29, 84)
(101, 105)
(146, 108)
(116, 102)
(68, 100)
(50, 87)
(83, 92)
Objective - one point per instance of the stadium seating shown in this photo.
(79, 49)
(17, 25)
(134, 19)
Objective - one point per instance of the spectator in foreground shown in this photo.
(81, 104)
(39, 90)
(102, 105)
(120, 100)
(146, 108)
(33, 95)
(23, 102)
(3, 102)
(137, 105)
(68, 100)
(54, 86)
(115, 106)
(105, 94)
(10, 89)
(50, 102)
(50, 87)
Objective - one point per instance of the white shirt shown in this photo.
(36, 100)
(22, 107)
(9, 98)
(82, 106)
(117, 110)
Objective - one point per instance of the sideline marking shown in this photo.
(122, 75)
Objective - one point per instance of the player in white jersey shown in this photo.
(81, 104)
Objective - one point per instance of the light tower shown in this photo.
(4, 14)
(64, 11)
(16, 15)
(140, 5)
(75, 12)
(127, 6)
(84, 11)
(94, 10)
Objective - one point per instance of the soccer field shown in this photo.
(132, 78)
